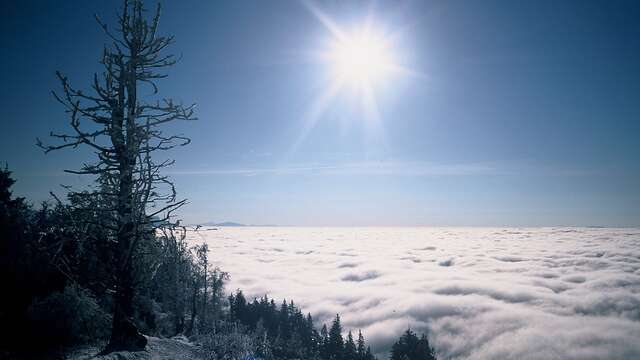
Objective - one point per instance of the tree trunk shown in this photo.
(124, 334)
(193, 308)
(204, 302)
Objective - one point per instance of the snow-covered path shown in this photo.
(157, 349)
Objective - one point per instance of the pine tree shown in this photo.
(424, 349)
(350, 351)
(368, 355)
(238, 307)
(336, 342)
(312, 337)
(410, 347)
(361, 346)
(283, 322)
(324, 342)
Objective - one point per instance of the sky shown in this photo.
(508, 113)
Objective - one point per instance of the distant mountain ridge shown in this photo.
(225, 223)
(231, 224)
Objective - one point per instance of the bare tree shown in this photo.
(124, 132)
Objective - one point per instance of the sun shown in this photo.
(361, 63)
(361, 58)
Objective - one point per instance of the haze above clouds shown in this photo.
(481, 293)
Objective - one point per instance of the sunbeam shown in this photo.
(359, 59)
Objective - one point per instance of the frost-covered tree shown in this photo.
(172, 278)
(124, 131)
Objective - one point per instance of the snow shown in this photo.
(157, 349)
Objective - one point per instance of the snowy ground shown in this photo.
(157, 349)
(483, 293)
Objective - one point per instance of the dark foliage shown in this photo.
(41, 262)
(58, 268)
(290, 334)
(412, 347)
(71, 316)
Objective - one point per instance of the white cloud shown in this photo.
(480, 293)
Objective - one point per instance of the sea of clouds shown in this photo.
(479, 293)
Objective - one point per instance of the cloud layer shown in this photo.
(480, 293)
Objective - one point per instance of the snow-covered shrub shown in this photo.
(230, 345)
(69, 317)
(145, 314)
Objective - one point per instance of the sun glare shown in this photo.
(361, 64)
(361, 58)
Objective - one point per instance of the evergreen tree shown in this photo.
(283, 321)
(294, 336)
(410, 347)
(424, 349)
(368, 355)
(336, 342)
(361, 346)
(324, 342)
(238, 306)
(311, 336)
(272, 313)
(350, 351)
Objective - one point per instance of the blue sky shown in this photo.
(519, 113)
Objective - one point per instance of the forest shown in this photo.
(110, 265)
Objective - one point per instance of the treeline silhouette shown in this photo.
(412, 347)
(58, 267)
(292, 335)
